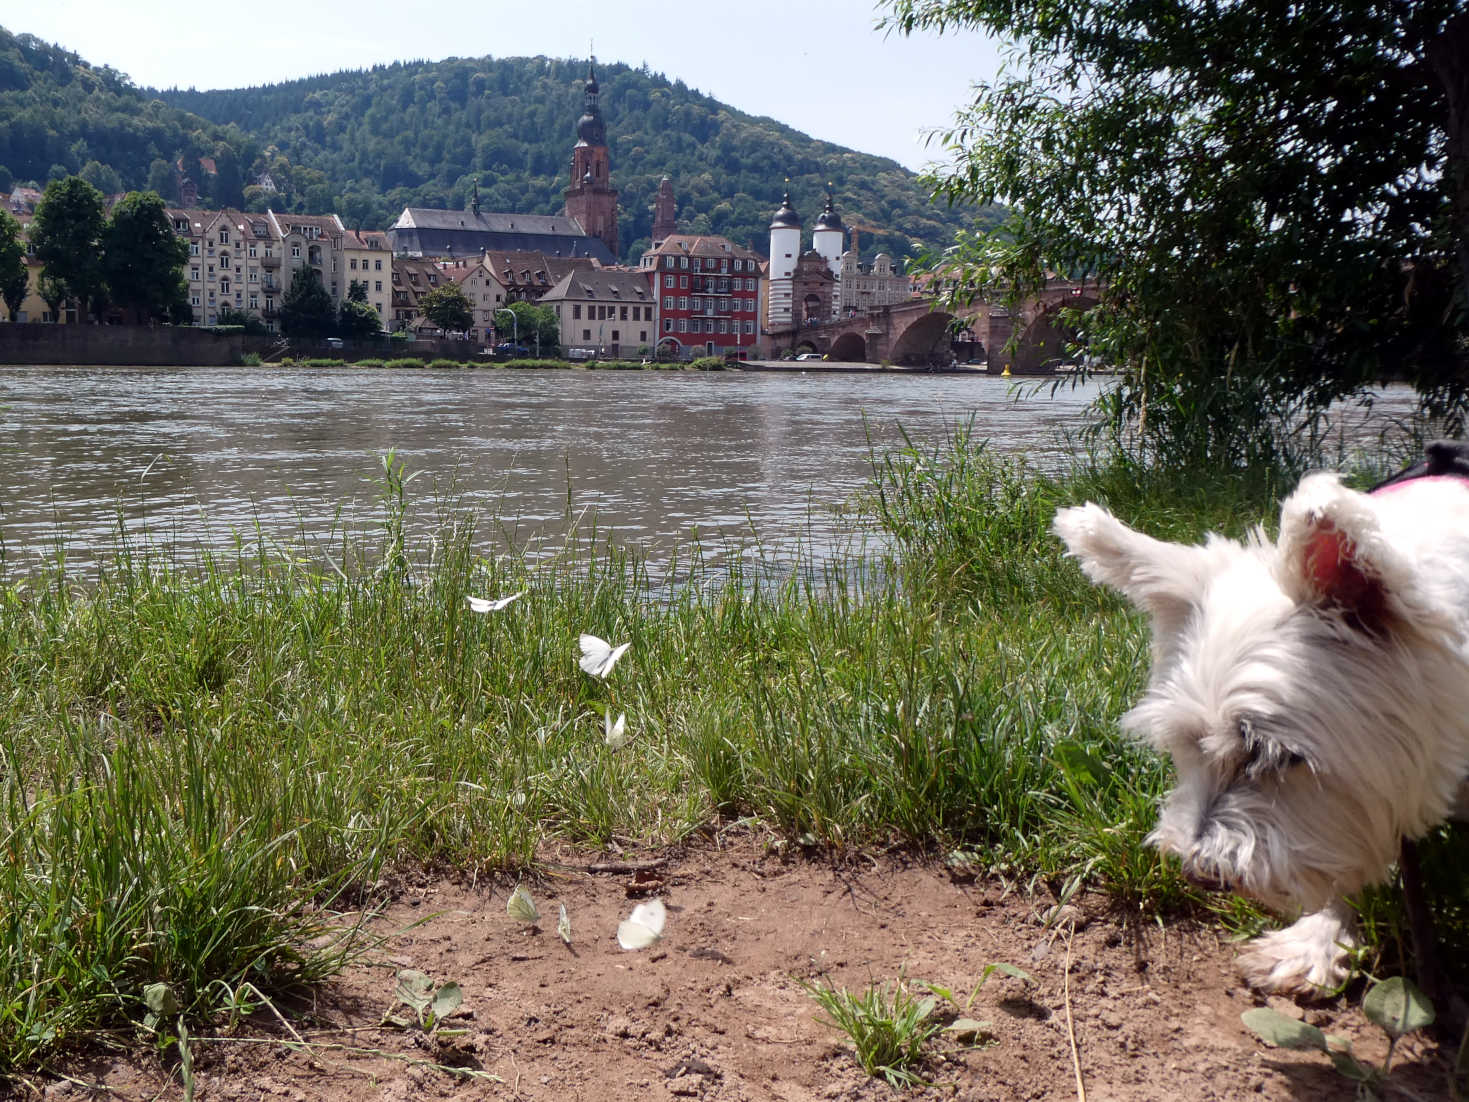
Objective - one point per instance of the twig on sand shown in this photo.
(1070, 1026)
(620, 867)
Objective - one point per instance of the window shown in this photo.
(683, 325)
(668, 325)
(668, 302)
(352, 264)
(377, 265)
(668, 279)
(224, 237)
(683, 303)
(224, 286)
(378, 286)
(193, 248)
(254, 303)
(668, 262)
(296, 250)
(683, 262)
(749, 328)
(642, 334)
(193, 300)
(576, 312)
(194, 273)
(723, 326)
(616, 335)
(586, 334)
(252, 251)
(622, 314)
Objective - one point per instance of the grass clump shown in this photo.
(535, 363)
(441, 363)
(411, 362)
(888, 1025)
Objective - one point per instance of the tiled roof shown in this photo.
(427, 218)
(710, 245)
(604, 285)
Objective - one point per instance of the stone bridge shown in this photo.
(918, 332)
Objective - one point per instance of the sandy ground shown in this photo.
(716, 1009)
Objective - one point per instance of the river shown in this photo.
(192, 457)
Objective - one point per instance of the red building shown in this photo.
(707, 290)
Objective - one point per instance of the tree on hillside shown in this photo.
(536, 326)
(448, 307)
(13, 273)
(67, 237)
(357, 318)
(142, 258)
(306, 308)
(1274, 202)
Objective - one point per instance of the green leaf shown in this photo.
(446, 1000)
(160, 999)
(1348, 1065)
(414, 989)
(969, 1029)
(1275, 1028)
(1398, 1006)
(1078, 763)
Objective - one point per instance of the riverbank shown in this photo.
(224, 760)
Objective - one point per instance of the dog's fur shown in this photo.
(1313, 693)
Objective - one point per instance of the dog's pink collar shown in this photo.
(1391, 486)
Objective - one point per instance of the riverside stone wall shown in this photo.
(183, 346)
(140, 345)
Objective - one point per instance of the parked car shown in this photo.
(334, 342)
(810, 356)
(506, 348)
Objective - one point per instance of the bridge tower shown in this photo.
(785, 250)
(826, 239)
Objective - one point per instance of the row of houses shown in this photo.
(689, 295)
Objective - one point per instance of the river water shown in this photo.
(192, 458)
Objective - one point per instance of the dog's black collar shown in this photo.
(1442, 458)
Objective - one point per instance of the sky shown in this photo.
(817, 65)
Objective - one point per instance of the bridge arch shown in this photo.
(924, 341)
(849, 348)
(1046, 342)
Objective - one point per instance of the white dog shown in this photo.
(1313, 693)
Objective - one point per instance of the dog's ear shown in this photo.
(1333, 554)
(1165, 580)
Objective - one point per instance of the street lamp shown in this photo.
(514, 324)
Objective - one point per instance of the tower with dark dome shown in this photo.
(591, 199)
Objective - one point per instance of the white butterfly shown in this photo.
(563, 925)
(643, 927)
(521, 906)
(484, 604)
(615, 734)
(599, 656)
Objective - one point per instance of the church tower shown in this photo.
(591, 199)
(665, 213)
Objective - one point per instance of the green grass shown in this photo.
(887, 1024)
(204, 761)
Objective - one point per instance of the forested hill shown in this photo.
(368, 143)
(420, 133)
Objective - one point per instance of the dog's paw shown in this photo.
(1308, 958)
